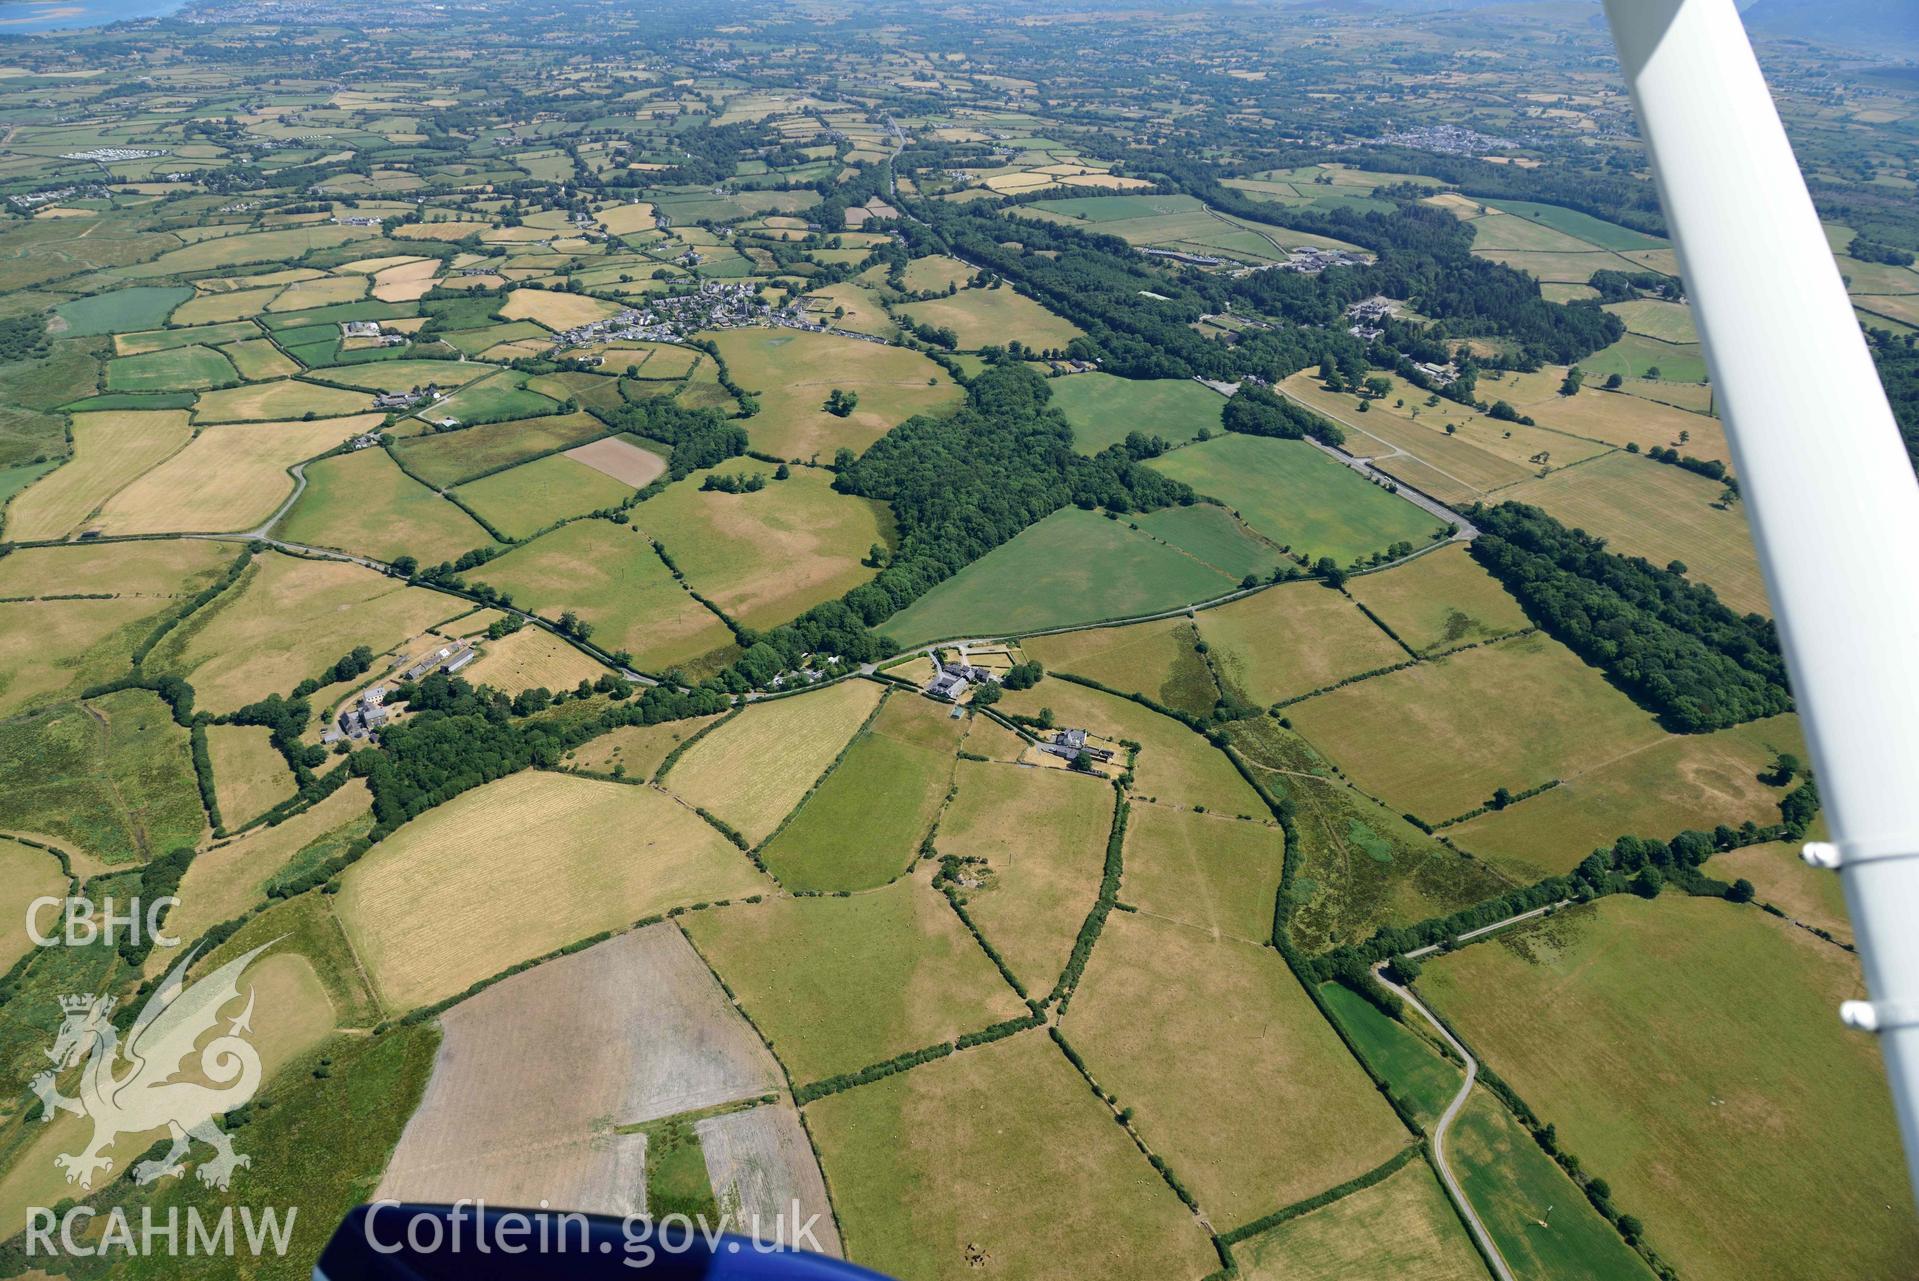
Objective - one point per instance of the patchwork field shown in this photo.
(1072, 567)
(1215, 874)
(110, 451)
(1402, 1228)
(860, 979)
(533, 657)
(1161, 660)
(1071, 1195)
(994, 317)
(249, 776)
(864, 825)
(1103, 408)
(754, 769)
(1033, 844)
(228, 479)
(449, 457)
(1285, 1113)
(768, 556)
(285, 619)
(637, 751)
(1291, 640)
(522, 500)
(564, 1136)
(610, 575)
(276, 401)
(1440, 601)
(223, 882)
(1643, 508)
(1438, 738)
(362, 502)
(620, 458)
(1695, 781)
(1297, 496)
(792, 373)
(443, 902)
(1670, 1042)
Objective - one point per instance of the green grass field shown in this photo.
(1103, 408)
(1285, 1112)
(792, 373)
(111, 778)
(864, 825)
(522, 500)
(1009, 1156)
(1213, 536)
(501, 396)
(1298, 497)
(1638, 356)
(1515, 1188)
(1403, 1228)
(120, 311)
(610, 575)
(449, 457)
(860, 979)
(361, 502)
(1407, 1062)
(1161, 660)
(1072, 567)
(1670, 1043)
(1582, 226)
(1098, 209)
(177, 369)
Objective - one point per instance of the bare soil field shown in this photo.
(647, 1033)
(621, 459)
(760, 1161)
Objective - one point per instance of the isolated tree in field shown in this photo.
(1741, 891)
(1575, 378)
(1784, 769)
(841, 403)
(1502, 797)
(1378, 388)
(782, 472)
(1614, 382)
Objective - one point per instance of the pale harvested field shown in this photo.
(1285, 1110)
(111, 449)
(250, 776)
(286, 619)
(324, 292)
(1216, 874)
(621, 459)
(555, 310)
(624, 220)
(25, 875)
(532, 657)
(91, 639)
(753, 770)
(760, 1160)
(405, 282)
(229, 479)
(1042, 836)
(1437, 739)
(1644, 508)
(1609, 416)
(223, 882)
(1292, 640)
(999, 1152)
(1402, 1228)
(647, 1033)
(638, 749)
(161, 568)
(519, 867)
(288, 398)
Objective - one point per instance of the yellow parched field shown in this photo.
(229, 479)
(110, 450)
(753, 770)
(532, 657)
(555, 310)
(250, 776)
(276, 401)
(519, 867)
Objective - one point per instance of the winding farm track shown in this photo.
(1453, 1190)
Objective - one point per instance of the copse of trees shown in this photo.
(1667, 642)
(699, 437)
(1255, 411)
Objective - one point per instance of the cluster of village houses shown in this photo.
(717, 304)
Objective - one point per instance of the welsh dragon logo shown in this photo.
(138, 1086)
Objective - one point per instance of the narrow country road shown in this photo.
(1453, 1190)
